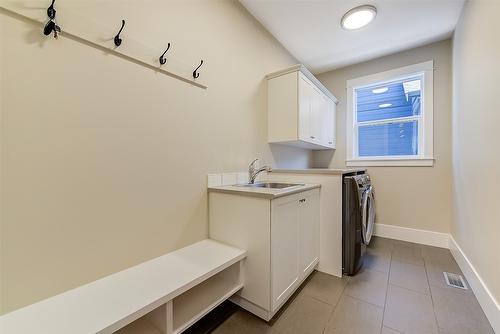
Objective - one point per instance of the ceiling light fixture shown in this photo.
(380, 90)
(358, 17)
(385, 105)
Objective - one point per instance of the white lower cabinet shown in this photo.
(281, 237)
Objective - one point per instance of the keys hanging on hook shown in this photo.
(163, 60)
(51, 11)
(195, 72)
(56, 31)
(51, 27)
(117, 39)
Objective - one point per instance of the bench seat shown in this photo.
(111, 303)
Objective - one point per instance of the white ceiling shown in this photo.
(310, 29)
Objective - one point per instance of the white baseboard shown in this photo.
(490, 306)
(423, 237)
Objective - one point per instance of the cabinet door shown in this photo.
(329, 124)
(316, 122)
(305, 104)
(284, 250)
(308, 232)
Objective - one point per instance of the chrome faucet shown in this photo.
(252, 172)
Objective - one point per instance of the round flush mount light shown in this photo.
(358, 17)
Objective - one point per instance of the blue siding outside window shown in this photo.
(388, 139)
(388, 118)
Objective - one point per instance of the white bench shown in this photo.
(164, 295)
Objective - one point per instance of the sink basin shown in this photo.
(271, 185)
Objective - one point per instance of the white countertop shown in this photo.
(263, 192)
(319, 171)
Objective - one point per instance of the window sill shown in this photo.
(419, 162)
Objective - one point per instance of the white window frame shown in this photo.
(425, 155)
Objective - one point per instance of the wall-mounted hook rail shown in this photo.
(117, 39)
(80, 27)
(163, 60)
(195, 73)
(51, 11)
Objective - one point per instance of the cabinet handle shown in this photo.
(330, 142)
(312, 137)
(302, 200)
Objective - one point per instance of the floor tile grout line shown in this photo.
(427, 278)
(408, 262)
(321, 301)
(378, 271)
(408, 289)
(402, 287)
(336, 304)
(432, 297)
(419, 292)
(378, 254)
(343, 293)
(415, 246)
(375, 271)
(364, 301)
(387, 289)
(392, 329)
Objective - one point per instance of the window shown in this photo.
(389, 118)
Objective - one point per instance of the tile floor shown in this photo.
(401, 289)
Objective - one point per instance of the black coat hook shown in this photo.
(162, 59)
(118, 40)
(51, 11)
(195, 73)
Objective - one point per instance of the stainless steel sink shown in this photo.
(271, 185)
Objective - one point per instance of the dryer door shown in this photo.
(368, 214)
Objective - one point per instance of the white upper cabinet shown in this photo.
(301, 111)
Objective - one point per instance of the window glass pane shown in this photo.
(396, 99)
(400, 138)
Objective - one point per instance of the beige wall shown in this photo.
(414, 197)
(476, 139)
(1, 190)
(104, 162)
